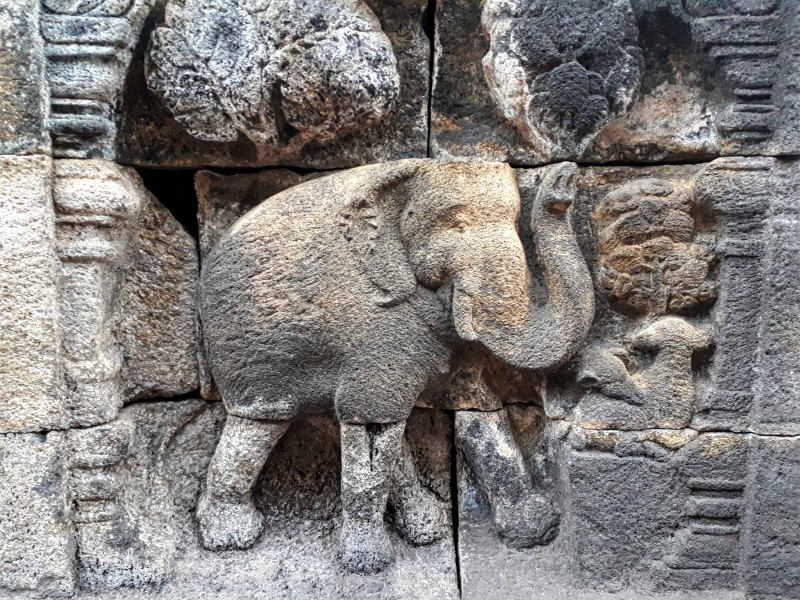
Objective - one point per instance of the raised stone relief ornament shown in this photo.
(345, 294)
(283, 74)
(400, 299)
(560, 84)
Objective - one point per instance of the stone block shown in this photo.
(634, 81)
(776, 404)
(127, 292)
(643, 514)
(23, 86)
(157, 326)
(368, 61)
(772, 532)
(31, 396)
(36, 541)
(146, 470)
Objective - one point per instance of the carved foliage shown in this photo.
(649, 263)
(559, 85)
(279, 73)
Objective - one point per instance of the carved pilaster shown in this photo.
(88, 50)
(776, 406)
(95, 203)
(744, 42)
(738, 190)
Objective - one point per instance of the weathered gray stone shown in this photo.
(128, 285)
(351, 252)
(643, 513)
(717, 78)
(772, 539)
(23, 87)
(284, 74)
(658, 393)
(667, 512)
(133, 483)
(88, 48)
(606, 355)
(157, 453)
(157, 326)
(522, 515)
(776, 403)
(36, 547)
(366, 62)
(221, 201)
(31, 395)
(559, 85)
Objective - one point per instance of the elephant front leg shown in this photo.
(522, 517)
(225, 512)
(369, 457)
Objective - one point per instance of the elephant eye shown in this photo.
(454, 217)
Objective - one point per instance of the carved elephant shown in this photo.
(344, 295)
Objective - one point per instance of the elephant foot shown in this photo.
(227, 524)
(419, 517)
(365, 547)
(531, 521)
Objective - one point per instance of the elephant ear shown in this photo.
(371, 225)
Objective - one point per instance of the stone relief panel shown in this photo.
(401, 220)
(312, 84)
(636, 80)
(651, 495)
(564, 373)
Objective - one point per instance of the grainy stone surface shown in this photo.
(672, 511)
(157, 326)
(88, 49)
(369, 61)
(156, 454)
(23, 87)
(127, 291)
(491, 375)
(31, 396)
(221, 201)
(701, 79)
(36, 551)
(362, 305)
(283, 74)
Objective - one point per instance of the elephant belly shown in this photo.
(292, 327)
(272, 358)
(278, 391)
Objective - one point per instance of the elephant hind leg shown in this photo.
(369, 457)
(225, 512)
(415, 512)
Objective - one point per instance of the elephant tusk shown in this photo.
(462, 314)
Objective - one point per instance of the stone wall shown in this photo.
(419, 299)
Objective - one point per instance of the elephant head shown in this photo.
(452, 227)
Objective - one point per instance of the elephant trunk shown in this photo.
(506, 319)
